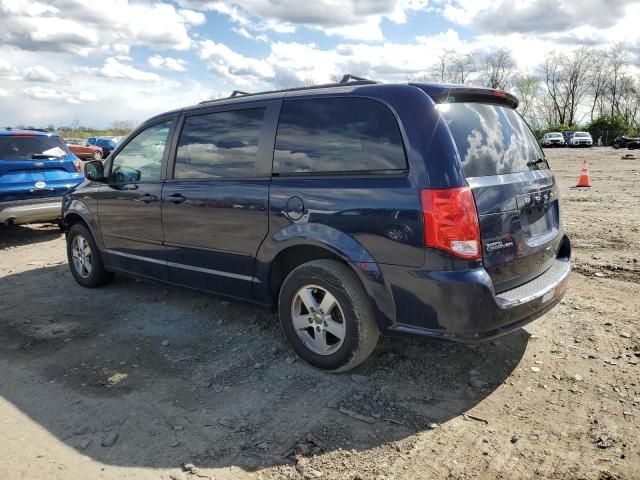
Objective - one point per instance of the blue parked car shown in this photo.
(107, 144)
(354, 209)
(36, 170)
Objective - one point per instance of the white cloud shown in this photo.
(533, 16)
(82, 97)
(351, 19)
(85, 27)
(190, 17)
(38, 73)
(570, 22)
(29, 8)
(463, 13)
(232, 66)
(167, 63)
(291, 62)
(40, 40)
(8, 70)
(243, 32)
(368, 31)
(260, 37)
(52, 94)
(113, 68)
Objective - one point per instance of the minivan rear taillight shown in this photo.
(451, 221)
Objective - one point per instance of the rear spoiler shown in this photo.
(440, 93)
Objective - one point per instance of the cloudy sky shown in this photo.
(106, 60)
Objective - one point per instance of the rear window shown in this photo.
(337, 135)
(492, 139)
(37, 147)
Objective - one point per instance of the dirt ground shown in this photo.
(136, 380)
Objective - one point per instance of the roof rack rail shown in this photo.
(347, 79)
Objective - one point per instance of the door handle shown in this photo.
(146, 198)
(175, 198)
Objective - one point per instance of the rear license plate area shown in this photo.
(538, 214)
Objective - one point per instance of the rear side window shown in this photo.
(219, 145)
(492, 139)
(31, 147)
(337, 135)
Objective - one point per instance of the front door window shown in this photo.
(141, 159)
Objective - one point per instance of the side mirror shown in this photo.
(94, 171)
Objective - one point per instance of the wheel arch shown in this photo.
(76, 211)
(283, 252)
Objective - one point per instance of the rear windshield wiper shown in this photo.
(532, 163)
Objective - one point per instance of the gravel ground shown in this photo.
(140, 381)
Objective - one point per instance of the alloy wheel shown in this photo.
(82, 256)
(318, 319)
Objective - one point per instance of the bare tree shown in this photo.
(289, 80)
(552, 75)
(461, 67)
(627, 104)
(618, 62)
(75, 124)
(577, 73)
(568, 80)
(526, 89)
(599, 82)
(497, 67)
(441, 68)
(122, 127)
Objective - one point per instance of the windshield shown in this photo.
(555, 135)
(581, 134)
(492, 139)
(31, 147)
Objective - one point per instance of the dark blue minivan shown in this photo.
(356, 209)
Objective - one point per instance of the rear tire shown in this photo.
(84, 258)
(97, 155)
(326, 316)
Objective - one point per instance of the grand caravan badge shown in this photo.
(498, 245)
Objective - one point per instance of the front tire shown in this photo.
(326, 316)
(84, 258)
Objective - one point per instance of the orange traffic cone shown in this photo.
(583, 181)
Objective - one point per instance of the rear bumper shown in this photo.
(462, 306)
(30, 211)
